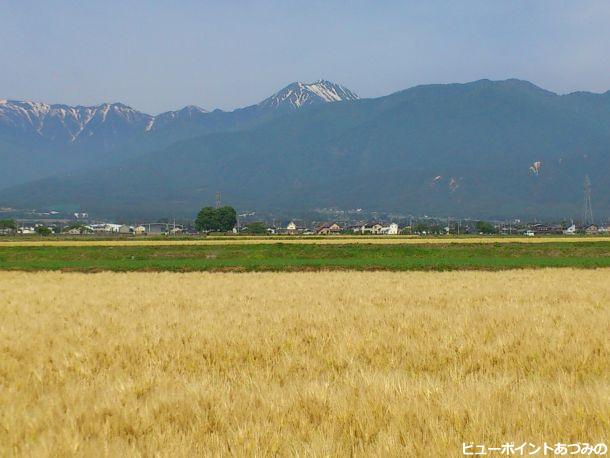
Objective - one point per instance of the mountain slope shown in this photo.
(66, 124)
(482, 149)
(38, 139)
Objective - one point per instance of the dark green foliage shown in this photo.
(420, 228)
(227, 218)
(207, 220)
(43, 230)
(212, 219)
(8, 224)
(483, 227)
(430, 229)
(256, 228)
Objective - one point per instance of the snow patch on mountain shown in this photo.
(150, 125)
(298, 94)
(67, 123)
(186, 114)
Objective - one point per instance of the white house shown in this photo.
(109, 227)
(392, 229)
(570, 230)
(371, 228)
(291, 228)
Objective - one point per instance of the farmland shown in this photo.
(305, 254)
(304, 363)
(260, 254)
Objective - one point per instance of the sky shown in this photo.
(161, 55)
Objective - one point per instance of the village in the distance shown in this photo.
(321, 222)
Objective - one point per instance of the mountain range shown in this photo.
(38, 139)
(481, 149)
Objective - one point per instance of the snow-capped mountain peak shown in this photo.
(298, 94)
(111, 122)
(188, 113)
(67, 123)
(194, 108)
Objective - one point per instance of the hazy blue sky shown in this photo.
(161, 55)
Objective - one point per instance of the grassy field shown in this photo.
(24, 241)
(257, 256)
(318, 364)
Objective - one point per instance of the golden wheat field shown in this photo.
(307, 364)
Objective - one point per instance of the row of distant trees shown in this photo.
(9, 225)
(481, 227)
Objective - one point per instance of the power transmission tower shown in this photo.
(217, 199)
(588, 210)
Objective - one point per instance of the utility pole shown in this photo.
(588, 210)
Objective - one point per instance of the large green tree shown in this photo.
(227, 218)
(484, 227)
(8, 224)
(43, 230)
(256, 228)
(212, 219)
